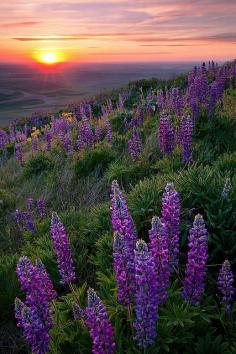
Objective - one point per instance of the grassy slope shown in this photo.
(79, 191)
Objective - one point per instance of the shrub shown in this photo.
(127, 172)
(97, 159)
(37, 165)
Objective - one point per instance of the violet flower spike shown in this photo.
(170, 216)
(195, 271)
(146, 298)
(158, 236)
(123, 224)
(62, 250)
(225, 285)
(100, 328)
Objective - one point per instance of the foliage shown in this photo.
(37, 165)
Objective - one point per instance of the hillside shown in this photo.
(77, 191)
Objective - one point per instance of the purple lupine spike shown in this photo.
(108, 131)
(196, 265)
(85, 136)
(67, 143)
(30, 203)
(41, 207)
(100, 328)
(43, 282)
(29, 223)
(3, 139)
(158, 236)
(109, 106)
(170, 216)
(121, 102)
(35, 144)
(78, 312)
(24, 220)
(19, 307)
(25, 270)
(119, 264)
(186, 138)
(98, 135)
(123, 224)
(34, 317)
(62, 250)
(19, 153)
(146, 299)
(225, 285)
(176, 101)
(49, 136)
(194, 105)
(138, 117)
(134, 145)
(166, 134)
(213, 98)
(33, 327)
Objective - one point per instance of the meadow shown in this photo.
(118, 221)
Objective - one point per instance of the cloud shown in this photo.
(19, 24)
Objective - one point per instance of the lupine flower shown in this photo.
(119, 263)
(175, 101)
(78, 312)
(62, 250)
(85, 136)
(121, 102)
(138, 117)
(166, 134)
(135, 145)
(25, 270)
(186, 138)
(33, 327)
(85, 110)
(41, 207)
(213, 98)
(24, 220)
(123, 224)
(146, 299)
(196, 265)
(34, 317)
(100, 328)
(49, 136)
(3, 139)
(19, 306)
(109, 105)
(67, 143)
(98, 134)
(158, 236)
(108, 131)
(227, 188)
(19, 153)
(35, 144)
(225, 285)
(171, 218)
(29, 223)
(30, 203)
(35, 281)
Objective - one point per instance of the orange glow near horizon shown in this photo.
(54, 32)
(49, 57)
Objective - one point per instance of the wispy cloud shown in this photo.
(19, 24)
(126, 26)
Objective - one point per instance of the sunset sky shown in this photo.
(114, 31)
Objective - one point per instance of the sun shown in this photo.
(49, 57)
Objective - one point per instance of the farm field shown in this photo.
(24, 90)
